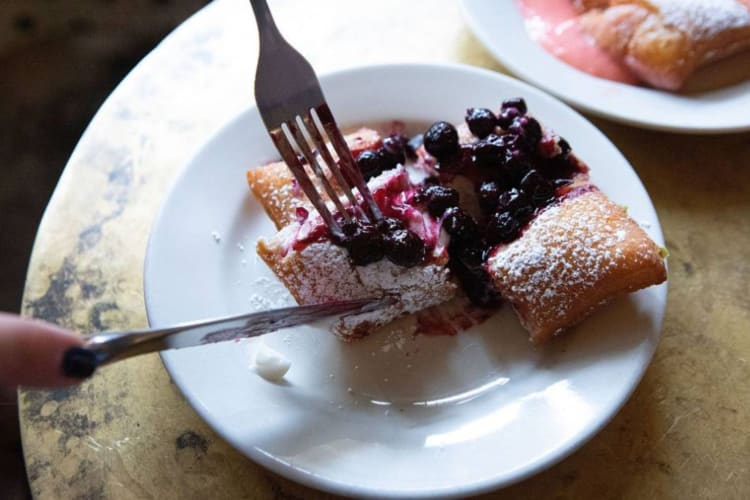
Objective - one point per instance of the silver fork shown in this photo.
(299, 120)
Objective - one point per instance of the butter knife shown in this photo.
(107, 347)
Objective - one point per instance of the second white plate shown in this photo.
(500, 27)
(390, 415)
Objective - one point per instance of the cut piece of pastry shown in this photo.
(665, 41)
(573, 257)
(314, 269)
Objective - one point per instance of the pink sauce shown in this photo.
(554, 25)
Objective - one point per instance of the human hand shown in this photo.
(31, 352)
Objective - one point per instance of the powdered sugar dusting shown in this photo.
(417, 288)
(325, 274)
(560, 263)
(270, 294)
(703, 18)
(322, 272)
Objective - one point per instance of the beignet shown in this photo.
(664, 42)
(572, 258)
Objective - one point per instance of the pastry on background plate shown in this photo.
(663, 42)
(495, 209)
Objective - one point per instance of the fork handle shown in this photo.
(267, 30)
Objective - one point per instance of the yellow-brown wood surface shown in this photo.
(128, 433)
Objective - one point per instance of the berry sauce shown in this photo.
(517, 170)
(395, 194)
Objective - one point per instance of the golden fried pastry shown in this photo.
(275, 188)
(573, 257)
(665, 41)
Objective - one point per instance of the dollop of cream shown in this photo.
(270, 364)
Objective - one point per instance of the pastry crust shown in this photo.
(322, 271)
(665, 41)
(275, 188)
(573, 257)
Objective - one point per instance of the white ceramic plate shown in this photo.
(500, 27)
(391, 415)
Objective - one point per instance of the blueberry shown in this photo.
(458, 162)
(432, 181)
(502, 228)
(488, 192)
(480, 290)
(564, 146)
(441, 140)
(363, 241)
(489, 152)
(517, 166)
(531, 180)
(390, 161)
(474, 279)
(389, 224)
(481, 121)
(517, 203)
(439, 199)
(540, 189)
(394, 148)
(472, 256)
(528, 128)
(370, 163)
(517, 103)
(404, 248)
(459, 224)
(512, 142)
(560, 167)
(472, 253)
(506, 117)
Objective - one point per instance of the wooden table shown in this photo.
(128, 433)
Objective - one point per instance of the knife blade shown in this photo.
(107, 347)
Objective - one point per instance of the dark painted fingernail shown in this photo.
(79, 362)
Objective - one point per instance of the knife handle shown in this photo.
(107, 347)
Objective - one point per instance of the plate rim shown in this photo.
(327, 484)
(486, 39)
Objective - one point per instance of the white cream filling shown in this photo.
(270, 364)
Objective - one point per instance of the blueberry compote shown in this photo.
(517, 170)
(394, 151)
(390, 238)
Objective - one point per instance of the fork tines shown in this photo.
(305, 140)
